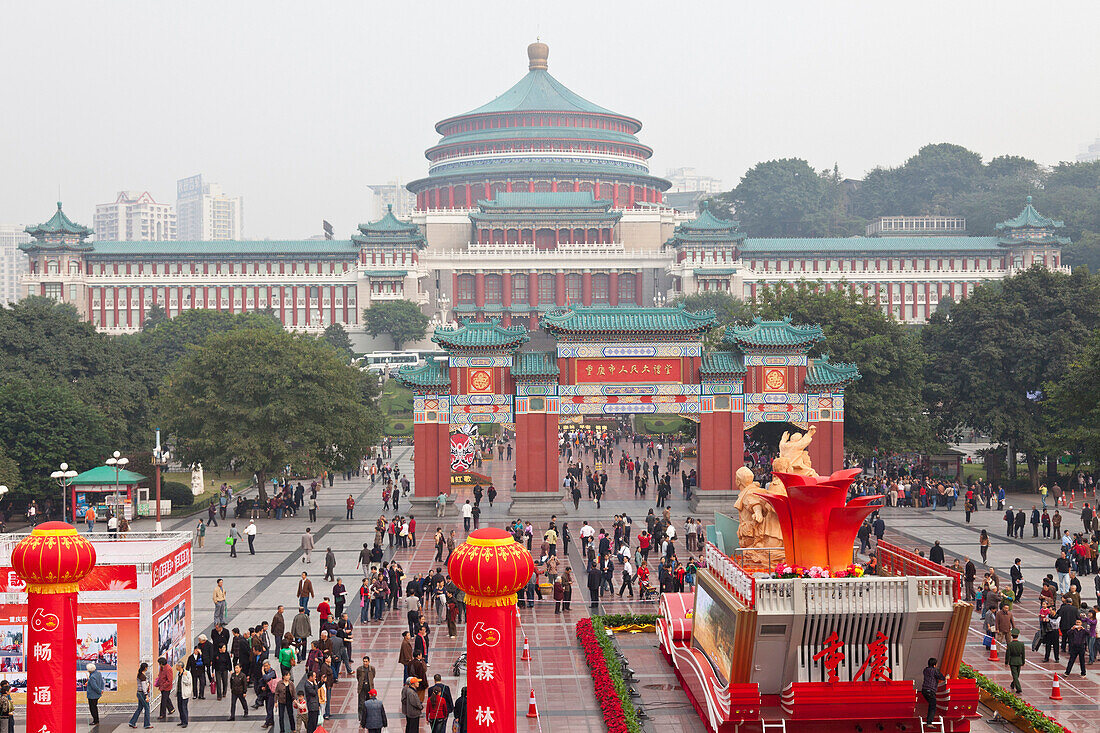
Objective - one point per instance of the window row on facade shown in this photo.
(203, 267)
(599, 288)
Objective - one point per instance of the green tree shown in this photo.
(9, 471)
(43, 424)
(401, 320)
(261, 399)
(169, 340)
(884, 409)
(788, 198)
(1085, 252)
(1072, 405)
(991, 354)
(928, 183)
(338, 337)
(155, 316)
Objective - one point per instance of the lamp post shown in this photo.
(118, 463)
(3, 490)
(160, 460)
(63, 477)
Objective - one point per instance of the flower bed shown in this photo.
(611, 692)
(783, 570)
(1012, 708)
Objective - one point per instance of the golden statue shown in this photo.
(792, 451)
(759, 524)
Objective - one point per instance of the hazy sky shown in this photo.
(298, 106)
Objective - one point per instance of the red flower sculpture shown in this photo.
(819, 528)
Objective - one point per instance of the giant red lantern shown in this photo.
(490, 567)
(52, 561)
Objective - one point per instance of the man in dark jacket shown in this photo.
(411, 705)
(1078, 638)
(313, 704)
(460, 711)
(1010, 522)
(1016, 573)
(372, 714)
(1035, 518)
(1015, 657)
(935, 554)
(1068, 615)
(238, 685)
(1021, 520)
(595, 580)
(278, 626)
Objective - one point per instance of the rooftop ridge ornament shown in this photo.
(537, 55)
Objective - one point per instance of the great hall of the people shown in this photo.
(537, 200)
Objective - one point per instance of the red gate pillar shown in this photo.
(538, 485)
(432, 447)
(52, 561)
(721, 450)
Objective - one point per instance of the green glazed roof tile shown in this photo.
(538, 91)
(432, 373)
(225, 248)
(626, 319)
(388, 223)
(535, 364)
(59, 223)
(481, 335)
(880, 246)
(722, 362)
(1030, 218)
(824, 373)
(105, 476)
(773, 334)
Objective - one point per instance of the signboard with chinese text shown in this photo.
(620, 370)
(171, 564)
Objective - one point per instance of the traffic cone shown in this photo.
(532, 710)
(1072, 497)
(1056, 688)
(526, 651)
(993, 651)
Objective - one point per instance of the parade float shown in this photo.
(787, 634)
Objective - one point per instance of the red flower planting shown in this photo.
(606, 694)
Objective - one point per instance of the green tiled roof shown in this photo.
(535, 133)
(387, 273)
(1030, 218)
(824, 373)
(707, 221)
(389, 230)
(105, 476)
(538, 91)
(773, 334)
(481, 335)
(880, 246)
(715, 271)
(388, 223)
(431, 374)
(492, 167)
(706, 229)
(58, 224)
(626, 319)
(722, 362)
(544, 200)
(226, 248)
(535, 364)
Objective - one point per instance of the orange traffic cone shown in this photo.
(1056, 689)
(532, 710)
(993, 651)
(526, 651)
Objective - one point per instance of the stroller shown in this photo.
(647, 592)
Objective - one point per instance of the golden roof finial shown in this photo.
(537, 54)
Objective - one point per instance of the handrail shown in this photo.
(733, 576)
(898, 561)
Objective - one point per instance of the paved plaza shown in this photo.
(558, 674)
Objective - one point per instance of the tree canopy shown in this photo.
(259, 399)
(338, 338)
(401, 320)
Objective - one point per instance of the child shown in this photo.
(302, 712)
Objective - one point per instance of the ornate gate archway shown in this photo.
(612, 361)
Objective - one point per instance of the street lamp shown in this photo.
(63, 477)
(119, 464)
(160, 460)
(3, 490)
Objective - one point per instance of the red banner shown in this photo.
(619, 370)
(102, 577)
(491, 668)
(51, 649)
(171, 563)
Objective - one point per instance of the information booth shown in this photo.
(135, 605)
(97, 487)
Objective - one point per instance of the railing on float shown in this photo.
(894, 560)
(733, 576)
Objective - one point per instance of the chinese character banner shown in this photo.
(491, 668)
(628, 370)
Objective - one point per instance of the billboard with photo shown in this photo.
(172, 621)
(714, 624)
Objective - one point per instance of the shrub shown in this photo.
(179, 494)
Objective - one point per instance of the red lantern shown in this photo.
(491, 567)
(52, 561)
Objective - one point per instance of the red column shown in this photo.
(630, 204)
(479, 289)
(506, 289)
(450, 197)
(469, 194)
(615, 195)
(586, 288)
(559, 289)
(533, 288)
(537, 452)
(613, 288)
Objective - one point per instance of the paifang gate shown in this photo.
(614, 360)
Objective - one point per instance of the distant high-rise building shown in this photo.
(1091, 153)
(134, 218)
(13, 262)
(383, 196)
(686, 179)
(205, 213)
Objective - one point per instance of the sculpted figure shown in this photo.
(759, 525)
(792, 447)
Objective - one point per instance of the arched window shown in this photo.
(53, 268)
(74, 268)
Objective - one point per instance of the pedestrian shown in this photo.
(461, 705)
(7, 706)
(313, 691)
(330, 564)
(372, 714)
(183, 693)
(200, 532)
(467, 515)
(351, 507)
(250, 533)
(312, 507)
(305, 592)
(220, 606)
(238, 685)
(439, 705)
(94, 691)
(933, 678)
(143, 691)
(1015, 658)
(284, 699)
(164, 685)
(1078, 642)
(89, 519)
(307, 545)
(301, 630)
(411, 705)
(231, 540)
(1016, 573)
(196, 665)
(222, 666)
(983, 546)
